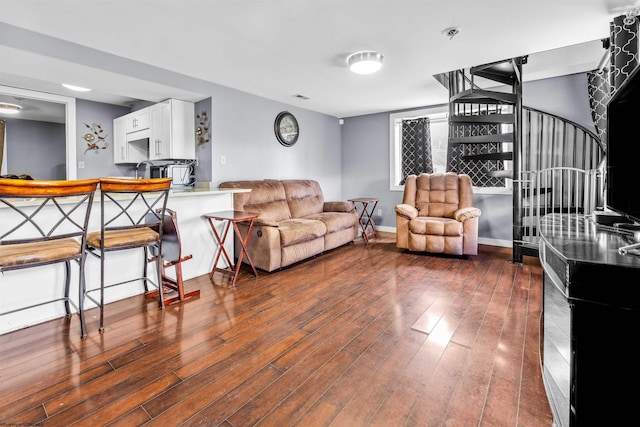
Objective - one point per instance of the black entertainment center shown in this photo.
(592, 287)
(590, 320)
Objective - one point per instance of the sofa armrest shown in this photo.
(338, 207)
(266, 221)
(466, 213)
(406, 211)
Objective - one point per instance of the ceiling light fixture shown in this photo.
(365, 62)
(76, 88)
(9, 108)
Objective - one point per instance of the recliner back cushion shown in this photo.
(267, 197)
(437, 194)
(304, 197)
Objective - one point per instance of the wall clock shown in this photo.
(286, 128)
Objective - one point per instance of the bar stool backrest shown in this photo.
(143, 207)
(24, 219)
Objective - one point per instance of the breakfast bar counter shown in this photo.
(46, 282)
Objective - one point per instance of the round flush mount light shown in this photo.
(9, 108)
(76, 88)
(365, 62)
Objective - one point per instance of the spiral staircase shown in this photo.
(498, 142)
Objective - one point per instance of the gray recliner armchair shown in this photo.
(437, 215)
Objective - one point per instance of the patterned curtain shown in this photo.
(599, 89)
(624, 50)
(416, 147)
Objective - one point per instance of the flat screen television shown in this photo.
(622, 176)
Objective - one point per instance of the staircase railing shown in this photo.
(562, 172)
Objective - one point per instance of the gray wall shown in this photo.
(36, 148)
(365, 141)
(243, 133)
(99, 162)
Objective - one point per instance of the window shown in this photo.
(418, 143)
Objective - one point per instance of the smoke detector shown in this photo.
(451, 32)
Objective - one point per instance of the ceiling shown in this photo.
(279, 49)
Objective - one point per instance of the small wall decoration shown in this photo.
(202, 131)
(95, 138)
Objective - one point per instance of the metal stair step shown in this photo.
(485, 118)
(506, 155)
(500, 71)
(483, 96)
(501, 173)
(479, 139)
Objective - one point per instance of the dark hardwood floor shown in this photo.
(364, 335)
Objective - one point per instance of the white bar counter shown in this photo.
(21, 288)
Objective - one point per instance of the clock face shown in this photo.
(286, 129)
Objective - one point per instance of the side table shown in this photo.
(366, 216)
(231, 218)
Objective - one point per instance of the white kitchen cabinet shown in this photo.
(172, 130)
(137, 120)
(126, 150)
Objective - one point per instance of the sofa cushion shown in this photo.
(436, 226)
(267, 197)
(334, 221)
(304, 197)
(298, 230)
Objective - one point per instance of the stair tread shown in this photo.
(505, 155)
(499, 71)
(500, 137)
(508, 173)
(485, 118)
(483, 96)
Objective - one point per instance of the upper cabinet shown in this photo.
(163, 131)
(137, 121)
(129, 145)
(172, 130)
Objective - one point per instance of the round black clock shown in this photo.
(286, 128)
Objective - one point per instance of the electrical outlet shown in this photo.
(379, 212)
(80, 164)
(223, 160)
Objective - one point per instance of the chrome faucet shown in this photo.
(141, 163)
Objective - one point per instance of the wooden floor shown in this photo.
(364, 335)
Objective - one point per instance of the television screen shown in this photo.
(623, 149)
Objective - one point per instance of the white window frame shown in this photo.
(395, 140)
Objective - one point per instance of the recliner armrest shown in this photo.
(406, 211)
(467, 213)
(338, 207)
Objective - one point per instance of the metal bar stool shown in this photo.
(45, 222)
(131, 212)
